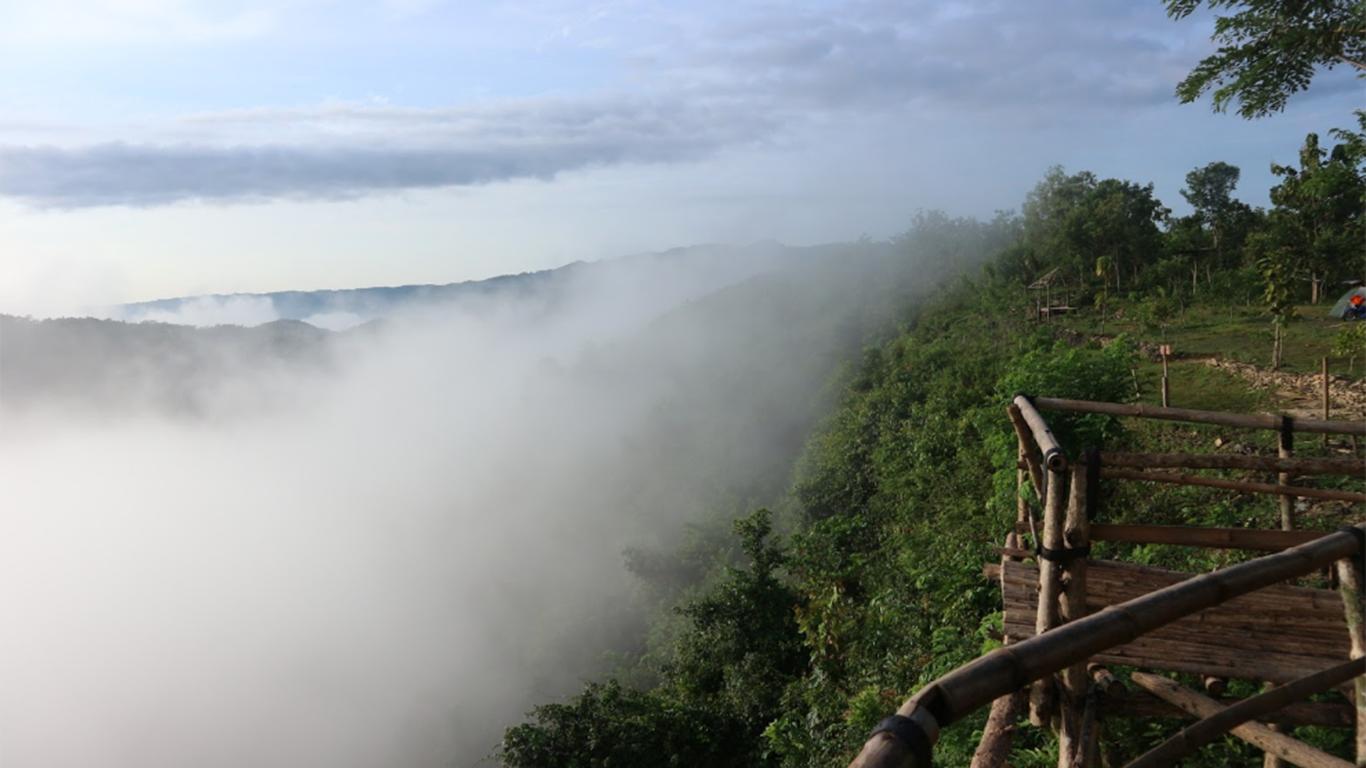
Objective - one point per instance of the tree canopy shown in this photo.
(1271, 49)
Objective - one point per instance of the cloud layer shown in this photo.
(684, 87)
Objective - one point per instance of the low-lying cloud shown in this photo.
(385, 558)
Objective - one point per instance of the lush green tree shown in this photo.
(1320, 206)
(1271, 49)
(1119, 225)
(723, 687)
(1106, 228)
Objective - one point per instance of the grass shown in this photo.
(1239, 333)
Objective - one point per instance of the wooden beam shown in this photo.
(1325, 714)
(1256, 734)
(1352, 467)
(974, 685)
(1219, 418)
(1226, 719)
(1242, 486)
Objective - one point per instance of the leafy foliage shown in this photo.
(1270, 49)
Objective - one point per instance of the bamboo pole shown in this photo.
(1027, 446)
(1190, 536)
(1075, 536)
(1214, 686)
(1221, 418)
(1352, 467)
(1104, 680)
(999, 732)
(1350, 578)
(1285, 449)
(971, 686)
(1242, 486)
(1238, 719)
(1087, 733)
(1053, 457)
(1043, 700)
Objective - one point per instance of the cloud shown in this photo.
(371, 149)
(695, 86)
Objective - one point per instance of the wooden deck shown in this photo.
(1277, 634)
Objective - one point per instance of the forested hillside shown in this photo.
(862, 580)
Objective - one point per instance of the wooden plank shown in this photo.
(1256, 734)
(1227, 719)
(1218, 418)
(1279, 633)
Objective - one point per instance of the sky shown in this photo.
(154, 148)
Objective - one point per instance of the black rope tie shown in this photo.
(1063, 555)
(908, 732)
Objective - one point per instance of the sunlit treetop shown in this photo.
(1271, 49)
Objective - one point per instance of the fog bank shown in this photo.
(384, 556)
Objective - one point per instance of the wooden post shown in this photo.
(999, 732)
(1271, 758)
(1042, 701)
(1350, 579)
(1088, 733)
(1166, 386)
(1214, 686)
(1075, 538)
(1286, 450)
(1327, 411)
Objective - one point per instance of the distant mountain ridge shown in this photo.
(340, 308)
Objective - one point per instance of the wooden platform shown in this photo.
(1276, 634)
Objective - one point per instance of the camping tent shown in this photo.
(1340, 309)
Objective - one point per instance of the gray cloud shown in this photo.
(739, 81)
(361, 150)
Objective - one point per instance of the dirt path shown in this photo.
(1302, 394)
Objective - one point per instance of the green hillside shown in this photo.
(863, 580)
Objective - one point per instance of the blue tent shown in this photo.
(1340, 309)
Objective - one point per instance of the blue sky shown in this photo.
(162, 147)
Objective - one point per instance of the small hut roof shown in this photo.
(1047, 280)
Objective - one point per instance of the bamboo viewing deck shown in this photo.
(1068, 618)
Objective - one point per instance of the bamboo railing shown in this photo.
(1065, 637)
(906, 741)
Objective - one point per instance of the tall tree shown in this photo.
(1209, 190)
(1320, 210)
(1271, 49)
